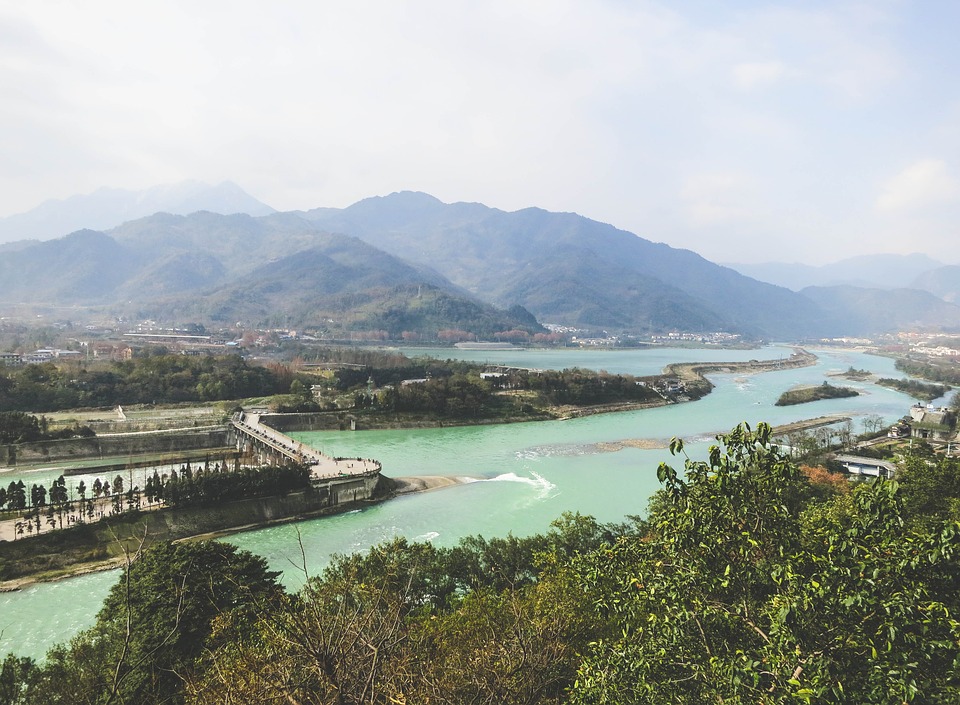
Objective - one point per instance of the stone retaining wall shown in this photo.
(115, 446)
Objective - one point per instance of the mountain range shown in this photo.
(409, 262)
(106, 208)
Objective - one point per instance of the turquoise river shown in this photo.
(519, 477)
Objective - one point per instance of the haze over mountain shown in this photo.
(879, 271)
(943, 282)
(569, 269)
(408, 262)
(106, 208)
(869, 311)
(273, 270)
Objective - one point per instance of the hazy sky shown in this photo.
(793, 131)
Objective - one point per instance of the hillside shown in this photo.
(408, 262)
(870, 310)
(943, 282)
(569, 269)
(86, 266)
(274, 270)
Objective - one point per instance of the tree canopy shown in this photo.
(749, 581)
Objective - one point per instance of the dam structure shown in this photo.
(346, 479)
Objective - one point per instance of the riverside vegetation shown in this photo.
(917, 390)
(750, 580)
(366, 383)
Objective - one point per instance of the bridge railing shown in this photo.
(287, 447)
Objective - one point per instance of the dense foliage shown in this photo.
(20, 427)
(578, 387)
(917, 390)
(212, 486)
(390, 370)
(738, 594)
(155, 623)
(150, 380)
(455, 389)
(457, 396)
(935, 372)
(749, 582)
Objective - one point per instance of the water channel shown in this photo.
(519, 477)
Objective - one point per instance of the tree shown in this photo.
(38, 496)
(18, 427)
(872, 423)
(154, 624)
(930, 486)
(724, 600)
(59, 497)
(15, 675)
(298, 389)
(17, 495)
(58, 491)
(489, 622)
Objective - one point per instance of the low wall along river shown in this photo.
(115, 446)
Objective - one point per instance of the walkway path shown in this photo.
(321, 466)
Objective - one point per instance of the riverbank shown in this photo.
(109, 544)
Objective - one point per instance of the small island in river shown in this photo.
(802, 395)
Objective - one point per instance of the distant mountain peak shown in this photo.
(108, 207)
(409, 201)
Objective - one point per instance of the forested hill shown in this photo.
(564, 266)
(275, 270)
(410, 265)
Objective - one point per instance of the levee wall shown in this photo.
(328, 497)
(317, 421)
(86, 543)
(113, 446)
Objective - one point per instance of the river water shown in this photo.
(519, 477)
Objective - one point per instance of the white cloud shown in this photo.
(718, 197)
(748, 76)
(677, 121)
(925, 183)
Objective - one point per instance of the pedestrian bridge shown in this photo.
(272, 446)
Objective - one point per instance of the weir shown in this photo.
(271, 445)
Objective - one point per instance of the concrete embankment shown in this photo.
(345, 421)
(693, 372)
(118, 446)
(101, 545)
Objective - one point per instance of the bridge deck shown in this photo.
(321, 466)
